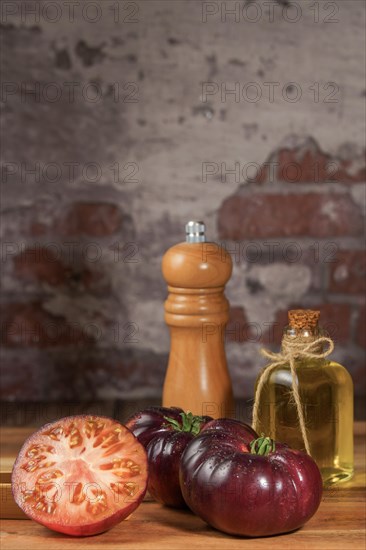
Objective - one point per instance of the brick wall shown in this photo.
(119, 125)
(296, 234)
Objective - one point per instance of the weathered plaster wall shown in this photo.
(118, 131)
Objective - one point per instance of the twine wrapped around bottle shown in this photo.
(292, 348)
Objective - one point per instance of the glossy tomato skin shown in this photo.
(70, 515)
(164, 452)
(244, 432)
(151, 421)
(164, 445)
(246, 494)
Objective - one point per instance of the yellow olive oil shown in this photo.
(326, 393)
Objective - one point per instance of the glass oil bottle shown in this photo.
(326, 394)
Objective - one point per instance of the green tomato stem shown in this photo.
(262, 446)
(190, 423)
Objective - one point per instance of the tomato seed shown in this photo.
(36, 449)
(29, 495)
(124, 466)
(33, 464)
(47, 464)
(47, 476)
(44, 506)
(99, 505)
(93, 428)
(56, 433)
(78, 495)
(129, 488)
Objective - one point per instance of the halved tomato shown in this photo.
(80, 475)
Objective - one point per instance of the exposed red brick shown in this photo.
(38, 229)
(314, 167)
(354, 362)
(29, 325)
(237, 330)
(361, 328)
(23, 377)
(348, 272)
(91, 218)
(95, 282)
(334, 319)
(94, 375)
(265, 173)
(312, 214)
(273, 335)
(41, 264)
(309, 164)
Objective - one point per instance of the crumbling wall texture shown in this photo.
(121, 121)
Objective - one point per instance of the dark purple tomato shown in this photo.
(147, 423)
(165, 433)
(248, 486)
(234, 427)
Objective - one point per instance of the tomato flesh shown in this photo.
(80, 475)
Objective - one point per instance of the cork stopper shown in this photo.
(300, 319)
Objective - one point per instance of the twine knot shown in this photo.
(291, 349)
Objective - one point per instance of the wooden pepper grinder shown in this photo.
(196, 311)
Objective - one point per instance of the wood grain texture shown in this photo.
(339, 523)
(196, 311)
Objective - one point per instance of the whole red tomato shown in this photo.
(80, 475)
(245, 486)
(165, 432)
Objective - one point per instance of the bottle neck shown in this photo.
(296, 338)
(306, 334)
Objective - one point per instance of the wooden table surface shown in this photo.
(338, 524)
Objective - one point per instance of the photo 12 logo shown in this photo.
(73, 332)
(251, 172)
(253, 252)
(270, 11)
(68, 92)
(70, 251)
(35, 12)
(271, 92)
(68, 172)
